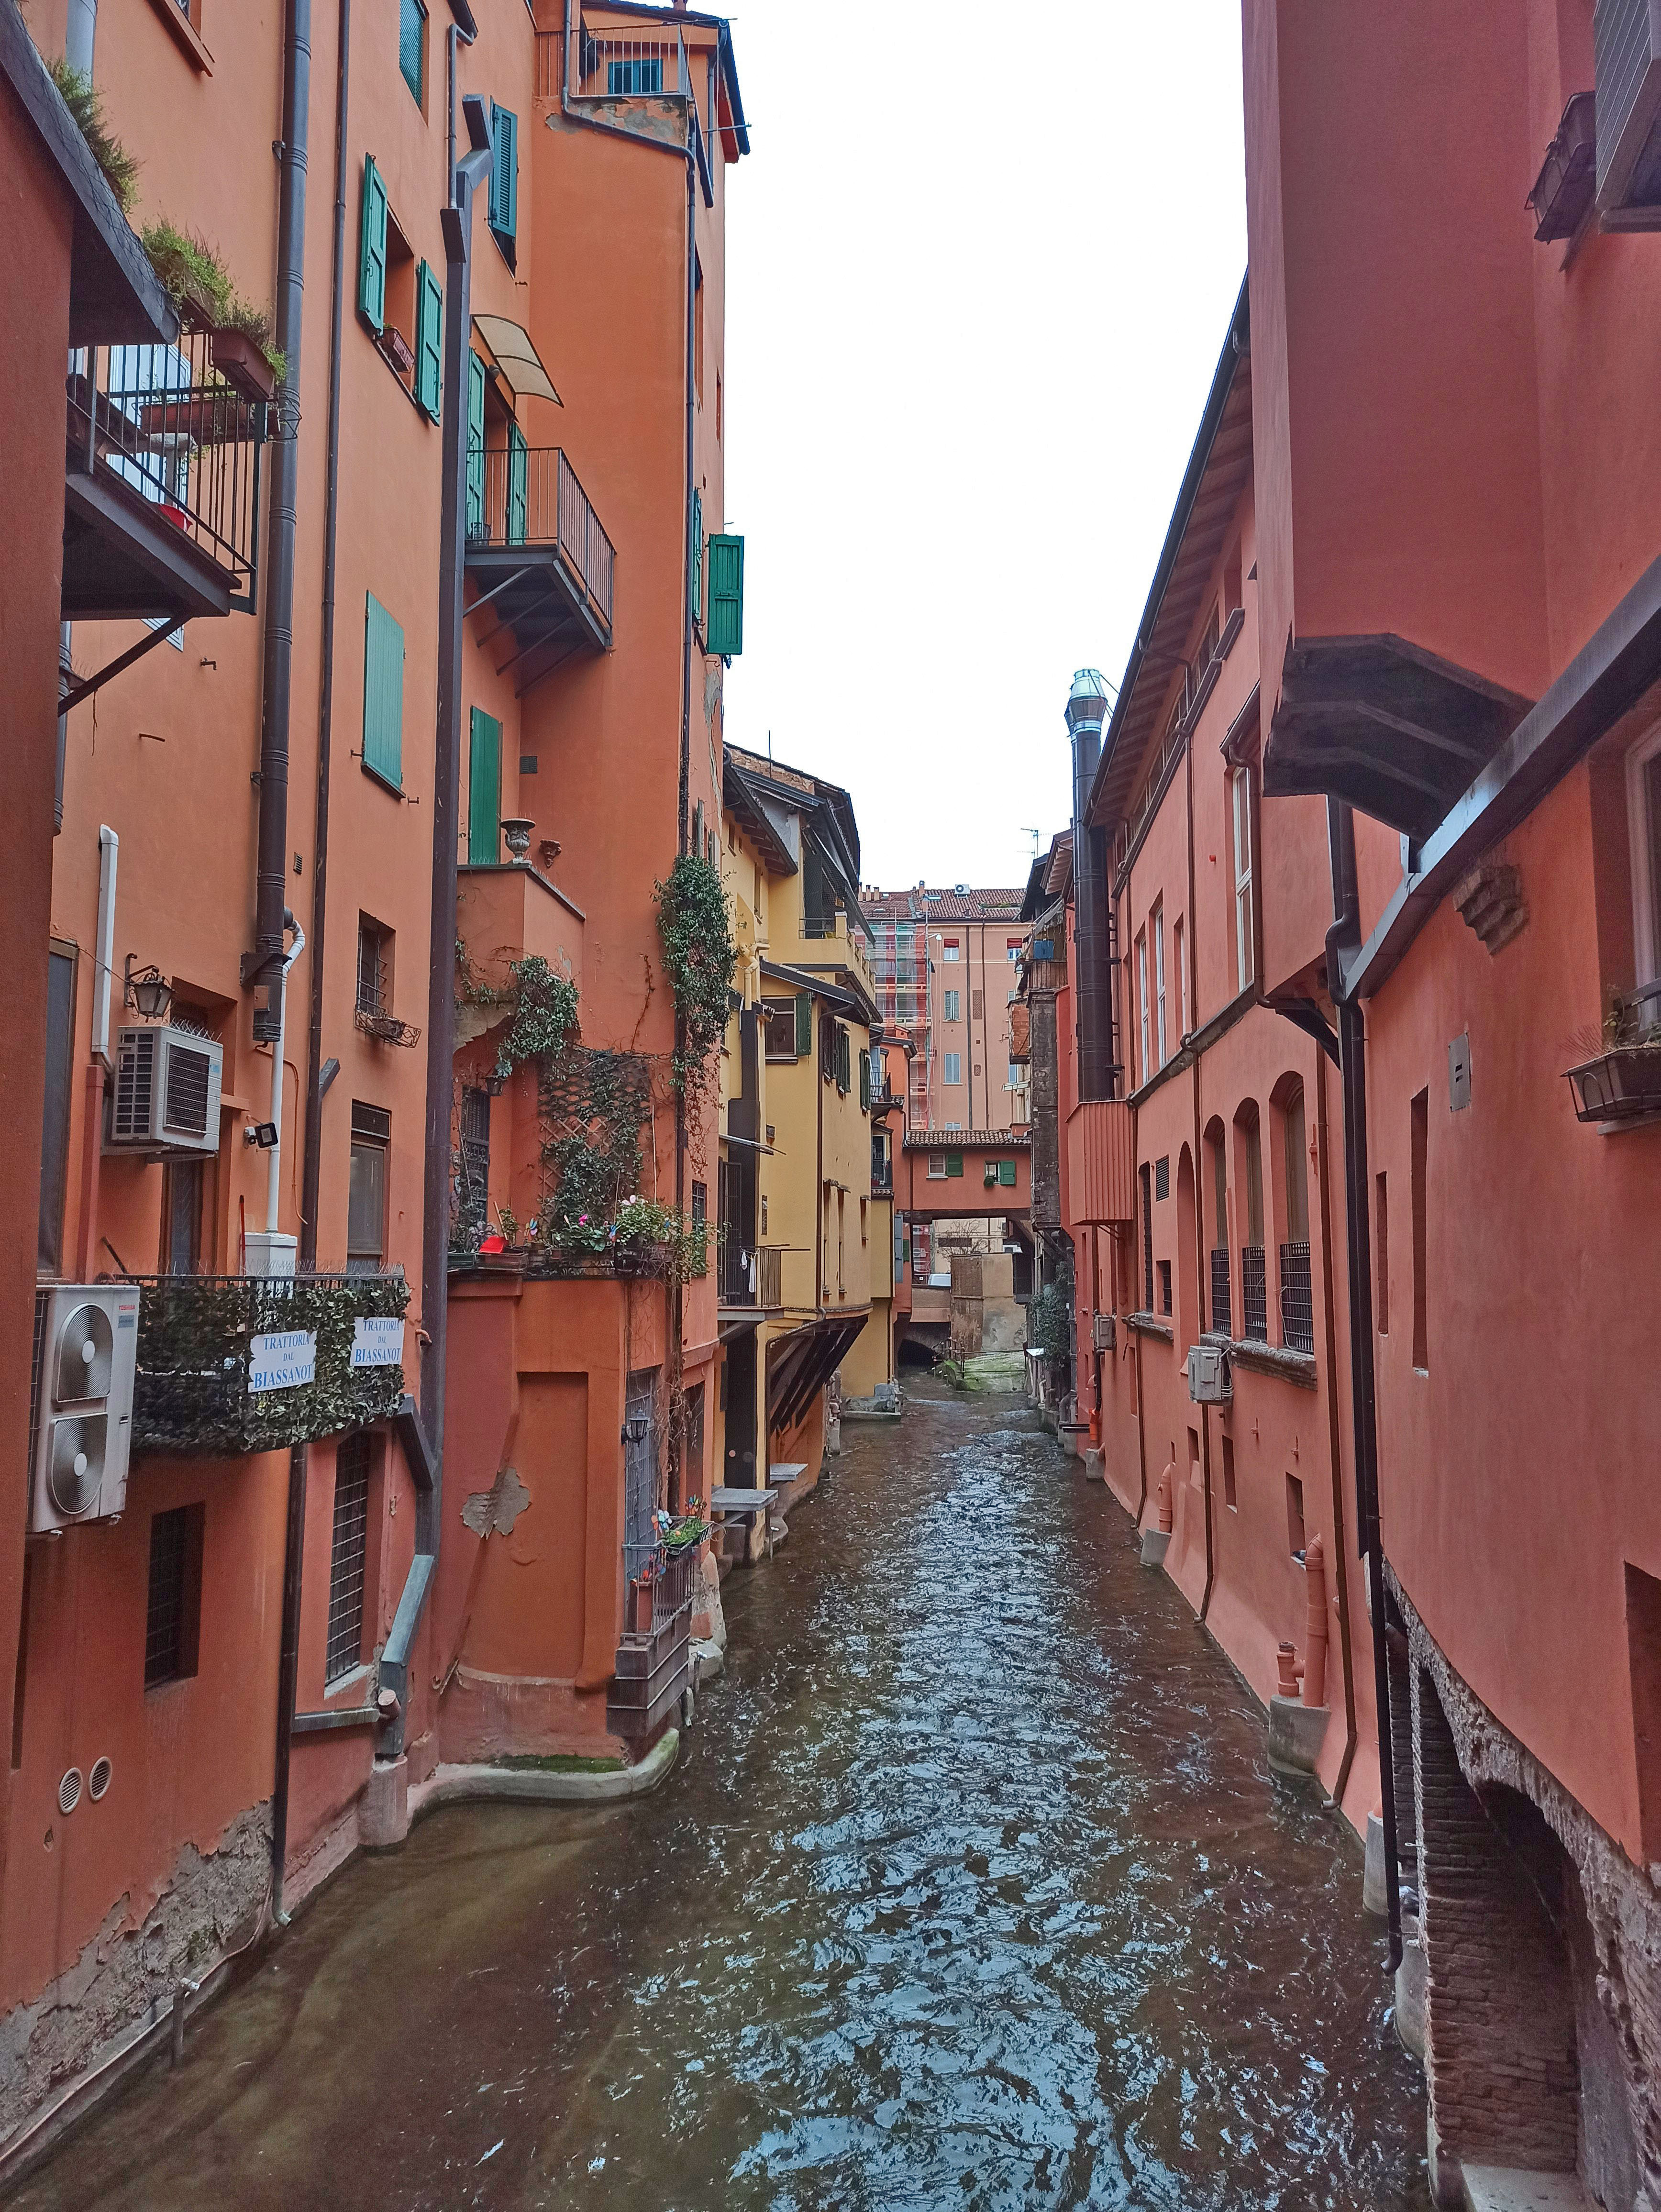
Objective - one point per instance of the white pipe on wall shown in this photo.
(274, 1158)
(78, 35)
(109, 848)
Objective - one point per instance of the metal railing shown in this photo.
(170, 427)
(609, 67)
(532, 495)
(1222, 1308)
(751, 1275)
(1254, 1292)
(1297, 1299)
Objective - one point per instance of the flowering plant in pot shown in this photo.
(646, 1234)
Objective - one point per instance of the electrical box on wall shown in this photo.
(1102, 1333)
(1459, 1073)
(1209, 1383)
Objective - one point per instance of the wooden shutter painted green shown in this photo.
(485, 791)
(1007, 1174)
(865, 1082)
(519, 472)
(372, 250)
(383, 694)
(804, 1024)
(504, 171)
(695, 561)
(724, 630)
(429, 339)
(475, 446)
(954, 1163)
(844, 1061)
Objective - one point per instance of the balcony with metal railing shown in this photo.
(229, 1364)
(751, 1276)
(541, 566)
(162, 449)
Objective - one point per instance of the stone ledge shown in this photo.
(1509, 2189)
(531, 1785)
(1147, 1324)
(1298, 1368)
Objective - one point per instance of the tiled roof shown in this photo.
(932, 905)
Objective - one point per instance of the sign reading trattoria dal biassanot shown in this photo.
(282, 1360)
(378, 1340)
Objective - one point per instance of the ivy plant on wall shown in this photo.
(700, 958)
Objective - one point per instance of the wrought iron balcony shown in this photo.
(161, 489)
(210, 1381)
(541, 565)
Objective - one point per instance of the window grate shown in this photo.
(1222, 1310)
(1147, 1239)
(1297, 1299)
(347, 1559)
(1254, 1292)
(164, 1625)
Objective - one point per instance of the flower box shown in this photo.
(1562, 191)
(396, 347)
(1618, 1085)
(242, 365)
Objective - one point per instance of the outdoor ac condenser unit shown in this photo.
(86, 1354)
(1102, 1331)
(1208, 1380)
(167, 1092)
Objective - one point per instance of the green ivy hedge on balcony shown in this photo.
(195, 1336)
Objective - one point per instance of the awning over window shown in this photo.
(516, 357)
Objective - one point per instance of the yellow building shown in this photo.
(805, 1250)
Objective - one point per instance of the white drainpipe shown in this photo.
(272, 1253)
(109, 850)
(78, 35)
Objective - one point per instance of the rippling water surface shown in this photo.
(972, 1890)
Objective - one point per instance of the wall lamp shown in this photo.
(147, 992)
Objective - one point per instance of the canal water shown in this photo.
(971, 1890)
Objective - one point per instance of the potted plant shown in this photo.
(642, 1596)
(645, 1236)
(1620, 1080)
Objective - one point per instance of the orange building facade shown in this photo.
(1350, 960)
(435, 612)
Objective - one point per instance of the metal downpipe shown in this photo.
(1352, 1052)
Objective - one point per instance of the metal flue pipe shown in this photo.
(1087, 710)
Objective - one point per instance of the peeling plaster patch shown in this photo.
(1623, 1907)
(211, 1905)
(493, 1512)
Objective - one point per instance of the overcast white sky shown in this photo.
(980, 266)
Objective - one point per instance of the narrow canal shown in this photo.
(971, 1890)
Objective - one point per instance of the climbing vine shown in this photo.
(700, 958)
(544, 1017)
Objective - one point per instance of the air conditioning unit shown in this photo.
(86, 1354)
(1627, 47)
(1102, 1333)
(167, 1092)
(1208, 1379)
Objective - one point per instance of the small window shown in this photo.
(950, 949)
(1162, 1176)
(1229, 1500)
(635, 78)
(348, 1557)
(412, 48)
(937, 1167)
(1165, 1286)
(375, 966)
(779, 1028)
(181, 1217)
(1013, 949)
(174, 1613)
(366, 1202)
(954, 1006)
(1295, 1538)
(1244, 935)
(953, 1067)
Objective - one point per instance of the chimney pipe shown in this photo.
(1087, 710)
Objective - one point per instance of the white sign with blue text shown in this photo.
(378, 1340)
(282, 1360)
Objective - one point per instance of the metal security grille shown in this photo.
(347, 1558)
(1222, 1312)
(1147, 1239)
(164, 1625)
(371, 969)
(1254, 1291)
(135, 1076)
(1297, 1299)
(189, 1077)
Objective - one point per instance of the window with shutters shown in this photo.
(695, 559)
(429, 341)
(804, 1029)
(504, 181)
(366, 1197)
(954, 1165)
(844, 1061)
(865, 1082)
(954, 1005)
(518, 484)
(375, 966)
(372, 248)
(779, 1028)
(950, 949)
(937, 1167)
(348, 1557)
(477, 526)
(383, 694)
(1007, 1174)
(953, 1067)
(724, 617)
(412, 48)
(484, 790)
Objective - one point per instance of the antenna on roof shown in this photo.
(769, 748)
(1036, 836)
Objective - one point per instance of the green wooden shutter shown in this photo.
(954, 1163)
(383, 694)
(475, 446)
(429, 339)
(504, 171)
(372, 250)
(724, 632)
(485, 791)
(865, 1082)
(1007, 1174)
(695, 561)
(518, 484)
(804, 1024)
(844, 1061)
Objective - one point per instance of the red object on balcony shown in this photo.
(1101, 1163)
